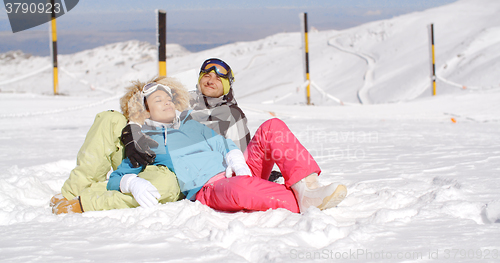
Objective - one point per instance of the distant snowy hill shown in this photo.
(379, 62)
(108, 68)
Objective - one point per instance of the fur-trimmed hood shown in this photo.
(179, 93)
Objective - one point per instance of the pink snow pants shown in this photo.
(273, 143)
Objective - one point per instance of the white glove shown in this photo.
(143, 191)
(236, 162)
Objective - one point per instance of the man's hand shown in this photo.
(138, 145)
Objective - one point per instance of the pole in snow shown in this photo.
(53, 45)
(306, 58)
(161, 19)
(433, 62)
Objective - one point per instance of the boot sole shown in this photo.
(335, 198)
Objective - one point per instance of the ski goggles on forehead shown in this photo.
(218, 66)
(152, 87)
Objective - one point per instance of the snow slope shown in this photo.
(422, 174)
(418, 184)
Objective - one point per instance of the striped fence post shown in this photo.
(433, 62)
(306, 60)
(162, 41)
(53, 48)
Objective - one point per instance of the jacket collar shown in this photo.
(158, 125)
(175, 125)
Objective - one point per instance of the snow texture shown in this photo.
(421, 172)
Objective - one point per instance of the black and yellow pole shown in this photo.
(306, 50)
(162, 42)
(54, 49)
(433, 62)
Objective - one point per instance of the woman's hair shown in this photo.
(180, 96)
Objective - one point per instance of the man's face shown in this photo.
(211, 85)
(161, 107)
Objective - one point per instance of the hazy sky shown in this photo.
(198, 24)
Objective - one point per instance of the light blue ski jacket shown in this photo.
(194, 152)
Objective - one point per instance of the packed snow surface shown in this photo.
(422, 172)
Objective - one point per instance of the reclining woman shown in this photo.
(205, 163)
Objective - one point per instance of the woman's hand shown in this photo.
(143, 191)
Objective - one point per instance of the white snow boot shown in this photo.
(309, 192)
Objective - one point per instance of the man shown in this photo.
(214, 104)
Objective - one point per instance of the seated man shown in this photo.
(214, 105)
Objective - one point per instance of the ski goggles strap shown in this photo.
(218, 66)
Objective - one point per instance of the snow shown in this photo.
(421, 171)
